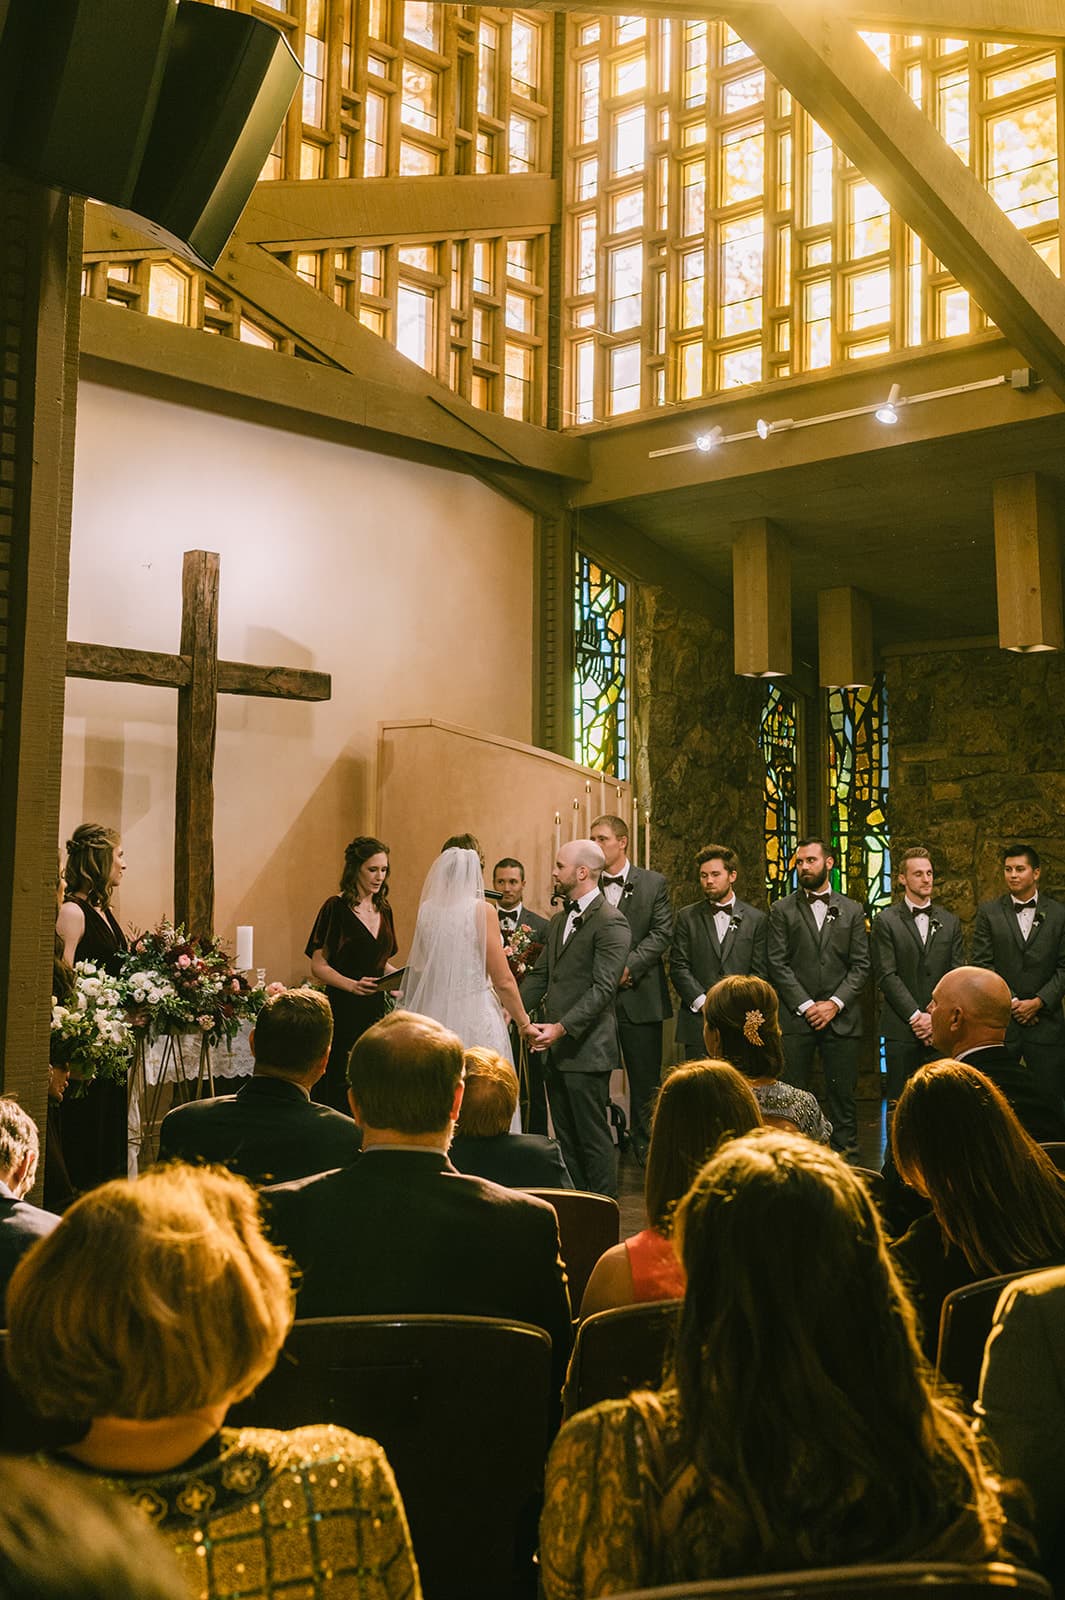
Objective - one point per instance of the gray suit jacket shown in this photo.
(578, 983)
(532, 920)
(698, 961)
(906, 970)
(1031, 967)
(805, 965)
(646, 908)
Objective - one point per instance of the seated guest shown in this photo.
(1022, 1406)
(400, 1230)
(79, 1544)
(998, 1203)
(798, 1428)
(151, 1309)
(698, 1106)
(20, 1223)
(741, 1024)
(484, 1148)
(271, 1131)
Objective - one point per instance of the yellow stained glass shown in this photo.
(1022, 163)
(742, 164)
(742, 272)
(868, 221)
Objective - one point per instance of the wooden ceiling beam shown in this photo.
(336, 210)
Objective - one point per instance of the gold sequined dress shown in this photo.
(259, 1515)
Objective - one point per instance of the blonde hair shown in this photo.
(491, 1094)
(152, 1298)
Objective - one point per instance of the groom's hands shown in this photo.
(540, 1035)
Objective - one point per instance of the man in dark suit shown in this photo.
(523, 930)
(483, 1144)
(1021, 936)
(271, 1131)
(915, 942)
(818, 953)
(399, 1230)
(577, 979)
(20, 1224)
(718, 937)
(643, 1002)
(970, 1013)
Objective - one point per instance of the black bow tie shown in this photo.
(920, 911)
(606, 882)
(823, 896)
(508, 916)
(569, 905)
(726, 911)
(1023, 905)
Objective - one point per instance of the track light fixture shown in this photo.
(888, 413)
(707, 441)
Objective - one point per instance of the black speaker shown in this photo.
(166, 109)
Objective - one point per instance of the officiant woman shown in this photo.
(351, 945)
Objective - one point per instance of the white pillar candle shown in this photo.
(244, 961)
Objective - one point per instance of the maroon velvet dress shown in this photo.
(93, 1125)
(348, 945)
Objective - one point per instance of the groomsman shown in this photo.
(915, 943)
(715, 938)
(643, 1002)
(1021, 936)
(819, 963)
(508, 880)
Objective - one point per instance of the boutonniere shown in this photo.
(733, 924)
(1037, 921)
(626, 888)
(934, 926)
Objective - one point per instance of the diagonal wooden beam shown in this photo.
(835, 76)
(342, 210)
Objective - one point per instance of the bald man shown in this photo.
(970, 1011)
(576, 978)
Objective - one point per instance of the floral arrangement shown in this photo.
(522, 950)
(174, 983)
(91, 1030)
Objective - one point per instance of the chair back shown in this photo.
(873, 1180)
(588, 1225)
(933, 1580)
(460, 1405)
(1055, 1149)
(618, 1351)
(964, 1326)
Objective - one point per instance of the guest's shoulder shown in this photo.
(318, 1188)
(750, 911)
(194, 1109)
(297, 1448)
(18, 1216)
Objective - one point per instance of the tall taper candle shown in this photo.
(558, 834)
(576, 817)
(647, 838)
(634, 842)
(244, 961)
(602, 795)
(588, 807)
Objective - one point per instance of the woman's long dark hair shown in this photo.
(744, 1012)
(698, 1105)
(808, 1417)
(90, 858)
(995, 1192)
(359, 851)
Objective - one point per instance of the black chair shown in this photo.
(964, 1326)
(588, 1225)
(460, 1405)
(934, 1580)
(1055, 1149)
(618, 1351)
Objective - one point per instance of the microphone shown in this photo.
(492, 894)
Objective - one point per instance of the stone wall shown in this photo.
(695, 739)
(977, 742)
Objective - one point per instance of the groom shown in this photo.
(577, 976)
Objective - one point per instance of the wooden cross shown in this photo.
(199, 678)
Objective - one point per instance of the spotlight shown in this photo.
(763, 428)
(888, 413)
(707, 441)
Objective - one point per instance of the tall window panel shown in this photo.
(778, 740)
(857, 793)
(600, 683)
(716, 237)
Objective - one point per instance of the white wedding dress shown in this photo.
(446, 977)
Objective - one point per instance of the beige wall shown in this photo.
(387, 574)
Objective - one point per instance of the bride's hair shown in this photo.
(464, 841)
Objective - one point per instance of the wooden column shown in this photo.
(844, 639)
(1027, 564)
(197, 726)
(553, 633)
(761, 601)
(40, 263)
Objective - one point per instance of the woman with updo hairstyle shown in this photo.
(94, 1134)
(158, 1303)
(799, 1427)
(351, 948)
(699, 1105)
(998, 1201)
(741, 1024)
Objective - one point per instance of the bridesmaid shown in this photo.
(94, 1125)
(351, 945)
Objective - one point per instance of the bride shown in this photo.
(457, 972)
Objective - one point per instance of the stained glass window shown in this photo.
(857, 793)
(600, 683)
(778, 740)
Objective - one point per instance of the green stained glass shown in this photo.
(600, 681)
(778, 740)
(857, 793)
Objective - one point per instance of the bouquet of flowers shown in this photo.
(522, 951)
(91, 1031)
(179, 984)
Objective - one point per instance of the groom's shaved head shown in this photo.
(583, 853)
